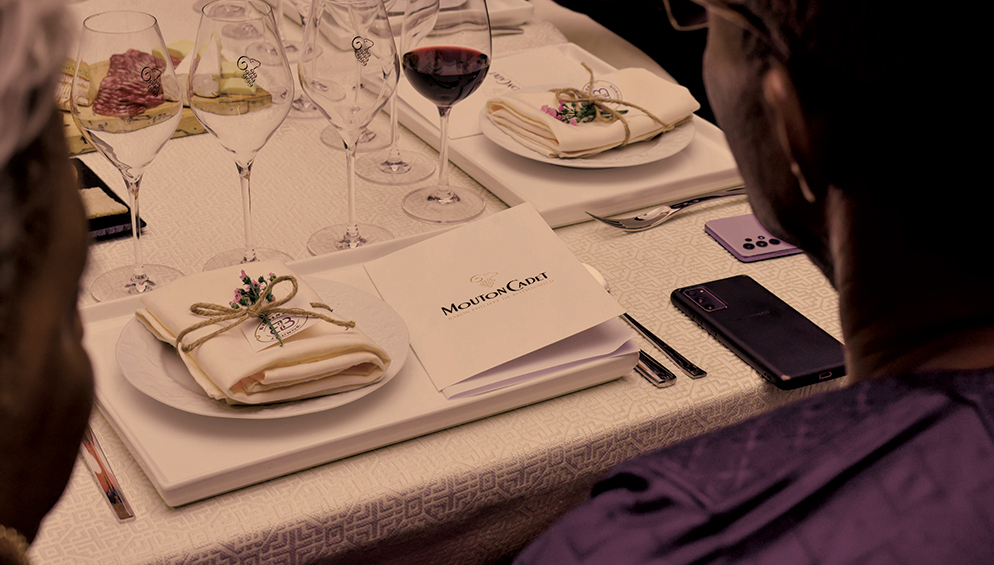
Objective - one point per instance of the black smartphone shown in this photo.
(785, 347)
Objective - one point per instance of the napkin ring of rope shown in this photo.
(603, 112)
(218, 313)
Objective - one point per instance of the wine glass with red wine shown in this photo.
(446, 66)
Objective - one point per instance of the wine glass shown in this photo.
(372, 138)
(389, 166)
(240, 99)
(302, 107)
(446, 66)
(349, 68)
(133, 108)
(291, 48)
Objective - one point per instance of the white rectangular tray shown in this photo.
(562, 195)
(188, 457)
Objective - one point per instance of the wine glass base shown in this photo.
(373, 138)
(237, 257)
(376, 168)
(334, 238)
(119, 283)
(422, 205)
(303, 108)
(292, 50)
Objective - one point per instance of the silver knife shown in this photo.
(692, 370)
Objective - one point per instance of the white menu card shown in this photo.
(490, 292)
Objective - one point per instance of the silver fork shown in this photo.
(656, 216)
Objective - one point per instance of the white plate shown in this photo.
(648, 151)
(155, 368)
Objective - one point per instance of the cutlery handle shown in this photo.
(685, 365)
(96, 462)
(734, 191)
(652, 371)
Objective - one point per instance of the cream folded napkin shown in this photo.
(521, 115)
(322, 358)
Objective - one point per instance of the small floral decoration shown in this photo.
(251, 293)
(574, 113)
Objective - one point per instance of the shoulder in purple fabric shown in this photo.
(888, 471)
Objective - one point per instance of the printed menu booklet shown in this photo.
(480, 298)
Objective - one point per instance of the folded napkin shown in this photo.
(524, 115)
(322, 358)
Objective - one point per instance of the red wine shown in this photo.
(445, 74)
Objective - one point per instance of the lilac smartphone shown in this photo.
(746, 239)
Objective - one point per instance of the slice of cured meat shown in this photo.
(132, 85)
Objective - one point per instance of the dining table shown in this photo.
(469, 487)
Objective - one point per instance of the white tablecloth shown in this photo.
(468, 494)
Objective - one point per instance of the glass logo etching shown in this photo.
(361, 46)
(248, 65)
(153, 78)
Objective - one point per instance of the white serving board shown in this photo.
(188, 457)
(563, 195)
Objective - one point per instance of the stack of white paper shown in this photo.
(496, 302)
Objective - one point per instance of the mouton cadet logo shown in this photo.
(512, 287)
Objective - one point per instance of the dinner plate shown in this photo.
(155, 368)
(648, 151)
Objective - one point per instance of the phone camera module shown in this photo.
(704, 299)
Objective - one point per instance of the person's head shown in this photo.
(45, 379)
(859, 95)
(856, 128)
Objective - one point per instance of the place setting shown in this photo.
(337, 362)
(560, 128)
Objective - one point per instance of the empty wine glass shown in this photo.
(349, 68)
(239, 99)
(446, 66)
(301, 107)
(291, 48)
(373, 137)
(389, 166)
(132, 109)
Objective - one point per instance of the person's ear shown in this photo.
(794, 132)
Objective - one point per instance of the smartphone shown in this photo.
(785, 347)
(746, 239)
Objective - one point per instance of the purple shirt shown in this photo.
(896, 470)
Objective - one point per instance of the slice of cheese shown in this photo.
(237, 86)
(99, 205)
(229, 69)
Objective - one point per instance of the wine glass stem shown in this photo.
(138, 279)
(443, 193)
(393, 157)
(352, 230)
(245, 174)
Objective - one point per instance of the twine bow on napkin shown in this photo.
(602, 112)
(617, 109)
(261, 308)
